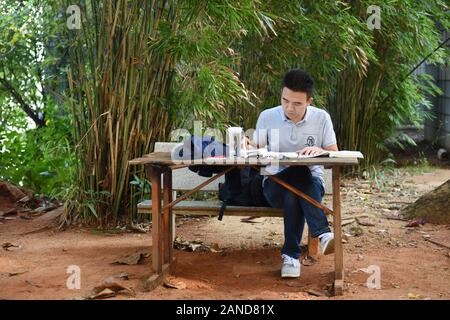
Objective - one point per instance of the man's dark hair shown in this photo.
(298, 80)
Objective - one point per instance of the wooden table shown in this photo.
(160, 163)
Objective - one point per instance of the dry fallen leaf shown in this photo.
(104, 294)
(346, 222)
(171, 282)
(124, 276)
(309, 261)
(365, 222)
(7, 245)
(25, 216)
(250, 220)
(316, 293)
(16, 273)
(33, 284)
(194, 246)
(133, 259)
(140, 227)
(25, 199)
(215, 248)
(9, 212)
(414, 296)
(110, 287)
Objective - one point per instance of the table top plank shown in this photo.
(164, 159)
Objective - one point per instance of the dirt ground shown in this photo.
(245, 262)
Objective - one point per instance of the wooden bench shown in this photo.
(185, 180)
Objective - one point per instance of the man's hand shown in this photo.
(310, 151)
(247, 143)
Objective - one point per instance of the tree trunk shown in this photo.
(40, 122)
(433, 206)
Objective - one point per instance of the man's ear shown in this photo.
(310, 100)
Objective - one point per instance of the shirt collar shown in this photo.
(305, 118)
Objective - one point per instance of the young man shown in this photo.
(295, 125)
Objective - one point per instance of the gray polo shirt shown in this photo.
(316, 129)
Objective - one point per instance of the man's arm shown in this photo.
(329, 142)
(333, 147)
(259, 139)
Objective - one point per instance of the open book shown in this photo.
(264, 153)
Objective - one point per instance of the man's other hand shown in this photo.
(310, 151)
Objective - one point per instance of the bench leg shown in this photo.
(313, 245)
(174, 226)
(167, 217)
(338, 250)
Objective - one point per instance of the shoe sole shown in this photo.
(329, 249)
(290, 275)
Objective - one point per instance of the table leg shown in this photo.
(154, 175)
(338, 250)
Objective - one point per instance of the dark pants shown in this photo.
(297, 209)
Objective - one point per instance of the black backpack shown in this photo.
(242, 187)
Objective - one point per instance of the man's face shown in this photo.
(294, 103)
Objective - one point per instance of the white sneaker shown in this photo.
(327, 242)
(290, 267)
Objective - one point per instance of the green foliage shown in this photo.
(206, 83)
(368, 108)
(138, 69)
(36, 149)
(39, 159)
(151, 66)
(30, 56)
(362, 76)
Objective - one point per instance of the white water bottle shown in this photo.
(234, 141)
